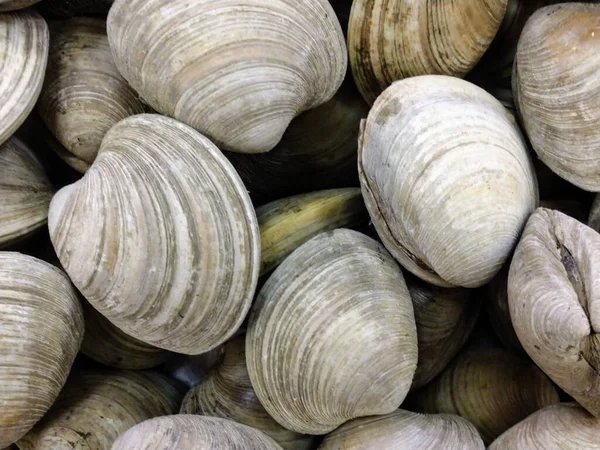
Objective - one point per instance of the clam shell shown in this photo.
(40, 333)
(83, 94)
(238, 73)
(443, 168)
(157, 181)
(25, 192)
(11, 5)
(24, 41)
(96, 406)
(332, 335)
(186, 432)
(72, 160)
(69, 8)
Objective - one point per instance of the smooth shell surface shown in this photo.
(157, 181)
(185, 432)
(238, 72)
(407, 431)
(11, 5)
(41, 328)
(553, 295)
(332, 335)
(443, 169)
(24, 41)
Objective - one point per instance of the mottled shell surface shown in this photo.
(557, 90)
(405, 430)
(69, 8)
(332, 335)
(11, 5)
(444, 168)
(25, 192)
(238, 72)
(41, 328)
(157, 181)
(491, 388)
(553, 295)
(186, 432)
(566, 426)
(24, 42)
(389, 40)
(84, 94)
(96, 406)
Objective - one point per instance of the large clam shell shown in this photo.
(332, 335)
(443, 169)
(160, 236)
(41, 328)
(239, 73)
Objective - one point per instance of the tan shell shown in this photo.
(389, 40)
(185, 432)
(553, 291)
(557, 90)
(491, 388)
(24, 41)
(407, 431)
(69, 8)
(73, 161)
(439, 181)
(40, 334)
(238, 73)
(96, 406)
(288, 223)
(11, 5)
(445, 319)
(83, 94)
(565, 426)
(25, 192)
(228, 393)
(332, 335)
(157, 181)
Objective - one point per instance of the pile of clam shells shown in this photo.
(299, 224)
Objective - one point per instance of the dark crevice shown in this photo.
(567, 260)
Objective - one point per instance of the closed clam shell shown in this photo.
(96, 406)
(491, 388)
(557, 89)
(238, 72)
(443, 168)
(566, 426)
(69, 8)
(160, 236)
(11, 5)
(83, 94)
(187, 432)
(389, 40)
(24, 41)
(41, 328)
(553, 291)
(332, 335)
(25, 192)
(227, 392)
(407, 431)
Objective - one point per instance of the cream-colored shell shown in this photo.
(332, 335)
(446, 178)
(25, 192)
(68, 8)
(557, 90)
(24, 41)
(11, 5)
(160, 236)
(237, 72)
(185, 432)
(41, 328)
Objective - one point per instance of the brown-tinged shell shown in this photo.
(69, 8)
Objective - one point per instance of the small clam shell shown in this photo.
(332, 335)
(96, 406)
(440, 180)
(157, 181)
(24, 41)
(238, 72)
(11, 5)
(407, 431)
(185, 432)
(25, 192)
(553, 295)
(491, 388)
(69, 8)
(40, 334)
(83, 94)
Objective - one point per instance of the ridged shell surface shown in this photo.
(160, 236)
